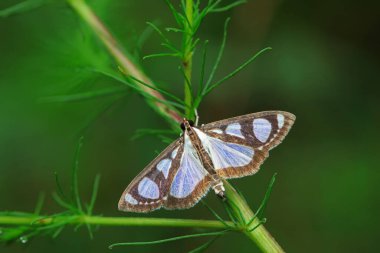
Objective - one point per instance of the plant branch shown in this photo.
(34, 220)
(120, 56)
(187, 60)
(259, 235)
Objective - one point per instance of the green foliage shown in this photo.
(189, 17)
(22, 7)
(190, 41)
(54, 224)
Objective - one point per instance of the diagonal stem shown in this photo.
(125, 62)
(259, 235)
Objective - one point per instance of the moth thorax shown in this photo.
(187, 124)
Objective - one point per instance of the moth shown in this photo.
(203, 157)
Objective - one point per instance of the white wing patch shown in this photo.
(225, 154)
(131, 200)
(235, 130)
(148, 189)
(190, 172)
(174, 153)
(262, 129)
(216, 130)
(280, 120)
(164, 166)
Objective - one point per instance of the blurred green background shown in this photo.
(324, 68)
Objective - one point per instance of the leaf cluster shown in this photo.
(73, 210)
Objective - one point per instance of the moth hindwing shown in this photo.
(184, 172)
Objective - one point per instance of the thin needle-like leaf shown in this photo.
(74, 177)
(169, 239)
(143, 132)
(22, 7)
(218, 58)
(167, 93)
(229, 213)
(205, 246)
(57, 232)
(61, 202)
(258, 225)
(146, 95)
(40, 203)
(228, 7)
(233, 206)
(59, 188)
(95, 189)
(160, 55)
(166, 42)
(215, 214)
(84, 95)
(233, 73)
(204, 55)
(261, 208)
(176, 15)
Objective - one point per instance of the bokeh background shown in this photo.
(324, 68)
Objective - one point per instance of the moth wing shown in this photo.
(191, 181)
(149, 190)
(238, 146)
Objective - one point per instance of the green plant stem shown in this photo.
(187, 60)
(260, 236)
(112, 221)
(126, 64)
(243, 212)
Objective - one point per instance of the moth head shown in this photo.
(186, 124)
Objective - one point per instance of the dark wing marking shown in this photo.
(149, 190)
(238, 146)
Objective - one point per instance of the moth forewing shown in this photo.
(245, 141)
(255, 129)
(149, 190)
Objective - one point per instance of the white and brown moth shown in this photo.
(197, 161)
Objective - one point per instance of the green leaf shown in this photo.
(85, 95)
(203, 65)
(61, 202)
(148, 131)
(58, 185)
(228, 7)
(95, 189)
(205, 246)
(143, 93)
(74, 177)
(165, 92)
(258, 225)
(233, 73)
(262, 206)
(215, 214)
(160, 55)
(169, 239)
(40, 203)
(22, 7)
(177, 16)
(219, 57)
